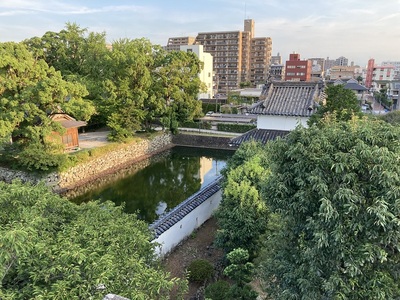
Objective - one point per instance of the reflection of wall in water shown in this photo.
(206, 164)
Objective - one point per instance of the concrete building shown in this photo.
(329, 63)
(341, 61)
(260, 57)
(297, 69)
(370, 71)
(174, 43)
(396, 65)
(277, 72)
(342, 72)
(238, 56)
(206, 75)
(317, 68)
(276, 59)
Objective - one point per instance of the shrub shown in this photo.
(239, 128)
(217, 290)
(200, 270)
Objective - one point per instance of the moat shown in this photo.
(161, 183)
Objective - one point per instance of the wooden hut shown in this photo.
(70, 138)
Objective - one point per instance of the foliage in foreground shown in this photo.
(54, 249)
(335, 191)
(242, 214)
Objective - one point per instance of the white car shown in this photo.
(209, 113)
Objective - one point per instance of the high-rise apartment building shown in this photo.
(174, 43)
(297, 69)
(342, 61)
(260, 58)
(238, 56)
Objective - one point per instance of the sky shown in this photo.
(356, 29)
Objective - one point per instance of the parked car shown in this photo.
(209, 113)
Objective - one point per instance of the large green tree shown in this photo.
(242, 215)
(336, 191)
(30, 91)
(54, 249)
(176, 84)
(340, 103)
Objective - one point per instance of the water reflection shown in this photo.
(164, 183)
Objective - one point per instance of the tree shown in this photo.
(335, 189)
(340, 102)
(242, 214)
(392, 117)
(240, 270)
(80, 56)
(176, 84)
(54, 249)
(30, 92)
(383, 98)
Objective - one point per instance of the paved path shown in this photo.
(94, 139)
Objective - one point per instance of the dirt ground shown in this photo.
(198, 246)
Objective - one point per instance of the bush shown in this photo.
(217, 290)
(199, 125)
(239, 128)
(200, 270)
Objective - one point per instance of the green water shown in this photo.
(167, 180)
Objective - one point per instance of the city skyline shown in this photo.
(356, 29)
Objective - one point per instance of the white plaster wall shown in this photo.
(182, 229)
(280, 122)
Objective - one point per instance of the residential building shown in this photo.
(396, 65)
(277, 72)
(297, 69)
(342, 72)
(233, 53)
(379, 77)
(174, 43)
(370, 71)
(276, 59)
(393, 93)
(329, 63)
(341, 61)
(260, 57)
(359, 90)
(206, 74)
(317, 68)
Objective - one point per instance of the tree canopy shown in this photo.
(335, 189)
(30, 91)
(131, 82)
(340, 103)
(54, 249)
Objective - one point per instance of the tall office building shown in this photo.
(238, 56)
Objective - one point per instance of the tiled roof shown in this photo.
(184, 208)
(290, 98)
(354, 86)
(259, 135)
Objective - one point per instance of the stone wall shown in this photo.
(202, 141)
(95, 168)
